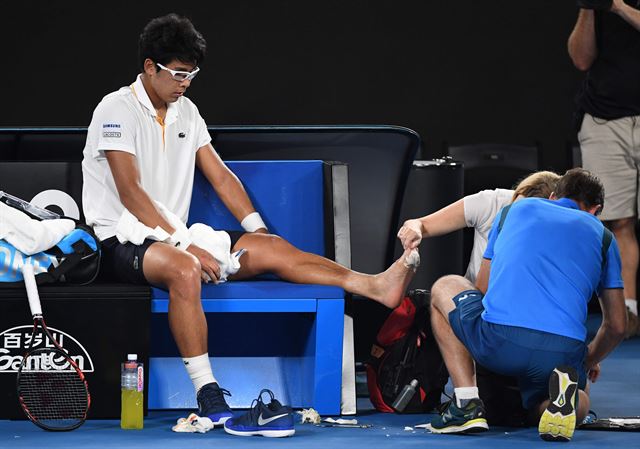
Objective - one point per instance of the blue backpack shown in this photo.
(74, 259)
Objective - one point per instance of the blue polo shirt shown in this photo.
(546, 262)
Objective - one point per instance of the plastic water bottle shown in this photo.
(401, 401)
(132, 386)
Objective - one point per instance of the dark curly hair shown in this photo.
(171, 37)
(581, 185)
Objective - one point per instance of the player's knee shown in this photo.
(275, 241)
(185, 271)
(277, 246)
(441, 287)
(445, 288)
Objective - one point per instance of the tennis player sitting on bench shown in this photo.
(143, 145)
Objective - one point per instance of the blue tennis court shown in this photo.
(617, 393)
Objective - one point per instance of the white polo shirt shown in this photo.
(480, 210)
(126, 120)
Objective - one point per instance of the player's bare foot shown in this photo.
(390, 286)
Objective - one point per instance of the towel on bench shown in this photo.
(30, 236)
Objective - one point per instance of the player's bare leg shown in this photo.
(271, 254)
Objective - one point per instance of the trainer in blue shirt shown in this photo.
(567, 273)
(526, 315)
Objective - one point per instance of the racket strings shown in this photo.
(54, 396)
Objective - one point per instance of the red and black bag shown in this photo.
(405, 350)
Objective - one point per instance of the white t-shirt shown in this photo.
(126, 120)
(480, 210)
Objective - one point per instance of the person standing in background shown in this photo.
(605, 43)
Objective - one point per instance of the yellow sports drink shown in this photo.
(132, 382)
(131, 417)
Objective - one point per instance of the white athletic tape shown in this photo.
(412, 260)
(193, 423)
(57, 198)
(32, 290)
(252, 222)
(310, 415)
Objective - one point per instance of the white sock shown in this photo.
(464, 394)
(632, 304)
(199, 370)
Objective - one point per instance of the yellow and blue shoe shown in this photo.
(558, 421)
(468, 419)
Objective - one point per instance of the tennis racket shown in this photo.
(52, 389)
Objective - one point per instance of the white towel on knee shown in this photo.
(216, 243)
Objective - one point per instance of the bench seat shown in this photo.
(263, 333)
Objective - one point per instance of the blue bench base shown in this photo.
(263, 334)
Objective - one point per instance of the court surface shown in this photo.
(617, 393)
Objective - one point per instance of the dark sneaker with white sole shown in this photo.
(558, 421)
(469, 419)
(268, 420)
(211, 403)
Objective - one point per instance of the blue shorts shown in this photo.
(527, 354)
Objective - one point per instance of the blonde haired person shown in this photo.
(476, 211)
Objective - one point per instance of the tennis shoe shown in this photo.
(558, 421)
(211, 403)
(469, 419)
(268, 420)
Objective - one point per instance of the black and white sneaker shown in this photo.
(558, 421)
(469, 419)
(268, 420)
(211, 403)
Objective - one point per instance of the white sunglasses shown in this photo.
(180, 75)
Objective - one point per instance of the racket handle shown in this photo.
(32, 290)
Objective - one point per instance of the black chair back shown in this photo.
(379, 160)
(490, 166)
